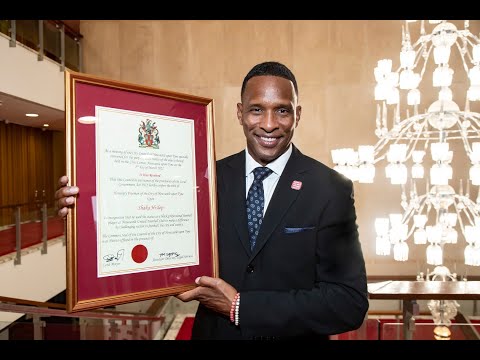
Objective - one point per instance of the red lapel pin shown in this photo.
(296, 185)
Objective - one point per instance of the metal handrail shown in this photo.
(64, 30)
(40, 204)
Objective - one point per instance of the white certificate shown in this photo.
(146, 192)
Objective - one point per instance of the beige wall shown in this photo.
(333, 61)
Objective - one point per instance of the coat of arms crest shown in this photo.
(148, 134)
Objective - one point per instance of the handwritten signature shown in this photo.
(169, 255)
(118, 256)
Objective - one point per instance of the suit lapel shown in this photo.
(283, 197)
(235, 185)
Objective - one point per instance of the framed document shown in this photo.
(144, 223)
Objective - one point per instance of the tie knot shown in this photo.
(261, 173)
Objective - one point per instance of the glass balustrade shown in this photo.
(49, 38)
(41, 323)
(24, 226)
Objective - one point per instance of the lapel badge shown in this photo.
(296, 185)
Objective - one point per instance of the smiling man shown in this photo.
(291, 264)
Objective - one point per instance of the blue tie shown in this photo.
(255, 203)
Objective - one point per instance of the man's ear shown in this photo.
(298, 115)
(239, 113)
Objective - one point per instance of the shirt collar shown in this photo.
(276, 165)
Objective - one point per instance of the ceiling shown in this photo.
(13, 110)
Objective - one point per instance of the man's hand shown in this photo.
(214, 293)
(65, 196)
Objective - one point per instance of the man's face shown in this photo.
(269, 115)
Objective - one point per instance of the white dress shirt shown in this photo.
(270, 183)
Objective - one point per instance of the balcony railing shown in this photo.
(48, 321)
(49, 38)
(32, 224)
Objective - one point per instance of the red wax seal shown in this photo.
(139, 254)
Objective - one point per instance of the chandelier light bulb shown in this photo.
(397, 173)
(407, 58)
(379, 75)
(366, 173)
(434, 234)
(442, 76)
(472, 255)
(384, 66)
(400, 251)
(472, 234)
(445, 94)
(393, 96)
(441, 55)
(452, 236)
(380, 91)
(418, 155)
(395, 219)
(474, 75)
(473, 93)
(450, 219)
(476, 53)
(397, 153)
(420, 220)
(382, 225)
(420, 237)
(474, 174)
(475, 153)
(366, 153)
(382, 246)
(409, 79)
(413, 97)
(440, 151)
(434, 254)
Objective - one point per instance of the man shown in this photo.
(291, 264)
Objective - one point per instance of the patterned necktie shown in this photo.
(255, 203)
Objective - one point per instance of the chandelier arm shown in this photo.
(467, 37)
(415, 142)
(427, 56)
(429, 139)
(411, 213)
(406, 124)
(422, 200)
(418, 52)
(422, 40)
(378, 148)
(469, 212)
(459, 217)
(462, 56)
(466, 144)
(475, 117)
(472, 212)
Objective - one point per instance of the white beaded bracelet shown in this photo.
(237, 311)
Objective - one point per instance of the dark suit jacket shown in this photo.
(306, 276)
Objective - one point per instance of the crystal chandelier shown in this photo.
(414, 136)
